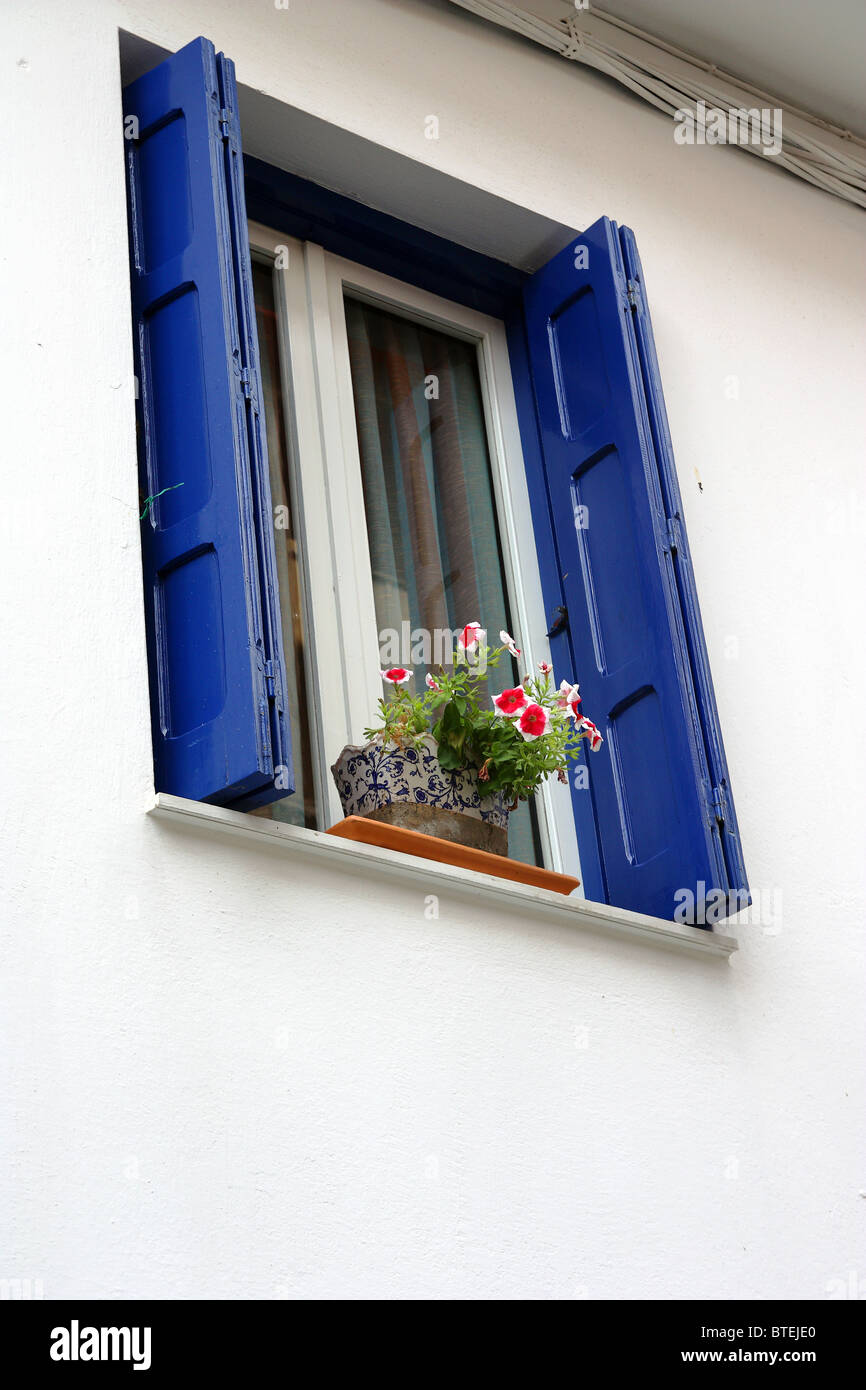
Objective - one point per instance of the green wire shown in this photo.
(154, 497)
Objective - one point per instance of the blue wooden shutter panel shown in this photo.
(634, 639)
(214, 639)
(705, 711)
(263, 515)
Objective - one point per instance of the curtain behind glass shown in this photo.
(428, 491)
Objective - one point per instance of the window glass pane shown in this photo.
(299, 809)
(428, 493)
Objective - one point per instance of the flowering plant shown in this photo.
(514, 742)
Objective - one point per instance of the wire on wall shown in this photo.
(673, 81)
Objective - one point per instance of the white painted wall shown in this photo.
(228, 1074)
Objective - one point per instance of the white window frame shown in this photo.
(328, 502)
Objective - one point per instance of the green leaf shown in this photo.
(451, 759)
(451, 721)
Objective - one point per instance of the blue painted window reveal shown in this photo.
(654, 809)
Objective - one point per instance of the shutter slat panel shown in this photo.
(627, 640)
(705, 712)
(200, 544)
(253, 423)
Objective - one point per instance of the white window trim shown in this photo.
(327, 499)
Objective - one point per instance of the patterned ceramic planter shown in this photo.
(407, 787)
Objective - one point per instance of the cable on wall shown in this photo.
(673, 81)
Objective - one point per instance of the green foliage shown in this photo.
(480, 740)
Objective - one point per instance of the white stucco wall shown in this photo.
(226, 1073)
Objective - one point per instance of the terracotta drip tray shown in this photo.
(372, 832)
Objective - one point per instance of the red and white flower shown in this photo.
(431, 682)
(472, 634)
(545, 668)
(534, 721)
(396, 675)
(568, 698)
(508, 641)
(595, 738)
(511, 702)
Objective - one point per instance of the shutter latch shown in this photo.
(558, 621)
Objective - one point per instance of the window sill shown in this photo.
(329, 850)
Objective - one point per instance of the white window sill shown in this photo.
(542, 904)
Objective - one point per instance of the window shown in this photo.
(266, 582)
(417, 476)
(432, 525)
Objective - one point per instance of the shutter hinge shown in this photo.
(675, 533)
(632, 293)
(270, 680)
(245, 383)
(224, 123)
(720, 805)
(265, 725)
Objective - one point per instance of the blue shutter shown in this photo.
(725, 819)
(662, 816)
(220, 730)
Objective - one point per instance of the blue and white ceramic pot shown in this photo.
(407, 787)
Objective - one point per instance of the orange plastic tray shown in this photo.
(373, 832)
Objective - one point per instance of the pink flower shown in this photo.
(533, 722)
(472, 634)
(545, 668)
(396, 675)
(431, 682)
(511, 702)
(595, 738)
(509, 643)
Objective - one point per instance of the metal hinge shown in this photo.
(633, 293)
(270, 680)
(246, 387)
(225, 117)
(720, 805)
(675, 533)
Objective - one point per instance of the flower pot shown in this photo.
(407, 787)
